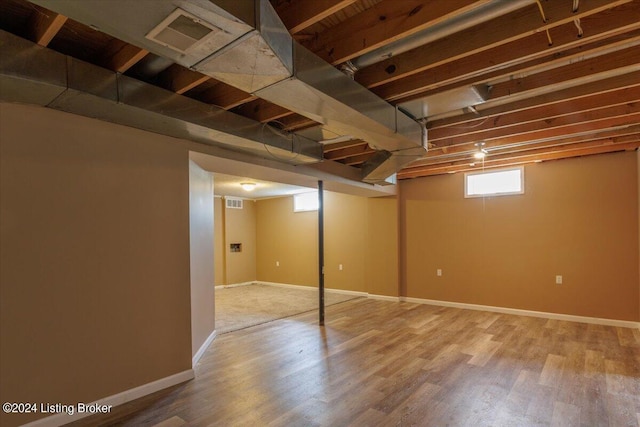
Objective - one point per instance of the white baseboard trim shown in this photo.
(384, 297)
(205, 345)
(521, 312)
(235, 285)
(505, 310)
(313, 288)
(115, 400)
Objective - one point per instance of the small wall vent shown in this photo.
(233, 203)
(182, 31)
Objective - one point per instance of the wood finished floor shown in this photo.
(379, 363)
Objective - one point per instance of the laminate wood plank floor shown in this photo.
(381, 363)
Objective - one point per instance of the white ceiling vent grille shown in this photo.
(182, 31)
(233, 203)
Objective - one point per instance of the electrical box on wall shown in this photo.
(235, 247)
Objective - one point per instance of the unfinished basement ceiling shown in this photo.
(553, 79)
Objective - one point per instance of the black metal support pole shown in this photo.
(321, 253)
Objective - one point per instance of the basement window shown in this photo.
(494, 183)
(305, 202)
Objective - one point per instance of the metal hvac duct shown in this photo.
(36, 75)
(244, 43)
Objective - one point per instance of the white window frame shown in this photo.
(493, 171)
(305, 208)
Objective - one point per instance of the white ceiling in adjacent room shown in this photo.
(229, 186)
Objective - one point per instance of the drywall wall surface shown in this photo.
(345, 240)
(94, 255)
(360, 238)
(240, 228)
(218, 241)
(287, 243)
(578, 218)
(381, 251)
(201, 252)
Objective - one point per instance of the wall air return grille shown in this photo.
(233, 203)
(182, 31)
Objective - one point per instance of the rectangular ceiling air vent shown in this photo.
(233, 203)
(182, 31)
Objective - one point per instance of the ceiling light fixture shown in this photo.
(248, 186)
(481, 153)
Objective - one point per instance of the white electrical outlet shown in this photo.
(558, 280)
(439, 272)
(340, 267)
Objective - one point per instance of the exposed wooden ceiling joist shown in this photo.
(443, 154)
(517, 160)
(548, 99)
(45, 24)
(342, 145)
(120, 56)
(220, 94)
(555, 114)
(297, 16)
(480, 38)
(262, 111)
(350, 151)
(386, 22)
(520, 55)
(180, 79)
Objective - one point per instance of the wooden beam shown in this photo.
(296, 122)
(625, 60)
(342, 145)
(346, 152)
(500, 31)
(119, 56)
(573, 74)
(573, 123)
(617, 26)
(442, 154)
(554, 155)
(565, 131)
(224, 95)
(300, 15)
(262, 111)
(547, 113)
(180, 79)
(358, 159)
(385, 22)
(464, 153)
(45, 24)
(547, 99)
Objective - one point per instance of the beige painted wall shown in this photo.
(201, 253)
(360, 233)
(287, 237)
(94, 284)
(381, 252)
(345, 239)
(240, 227)
(218, 242)
(578, 218)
